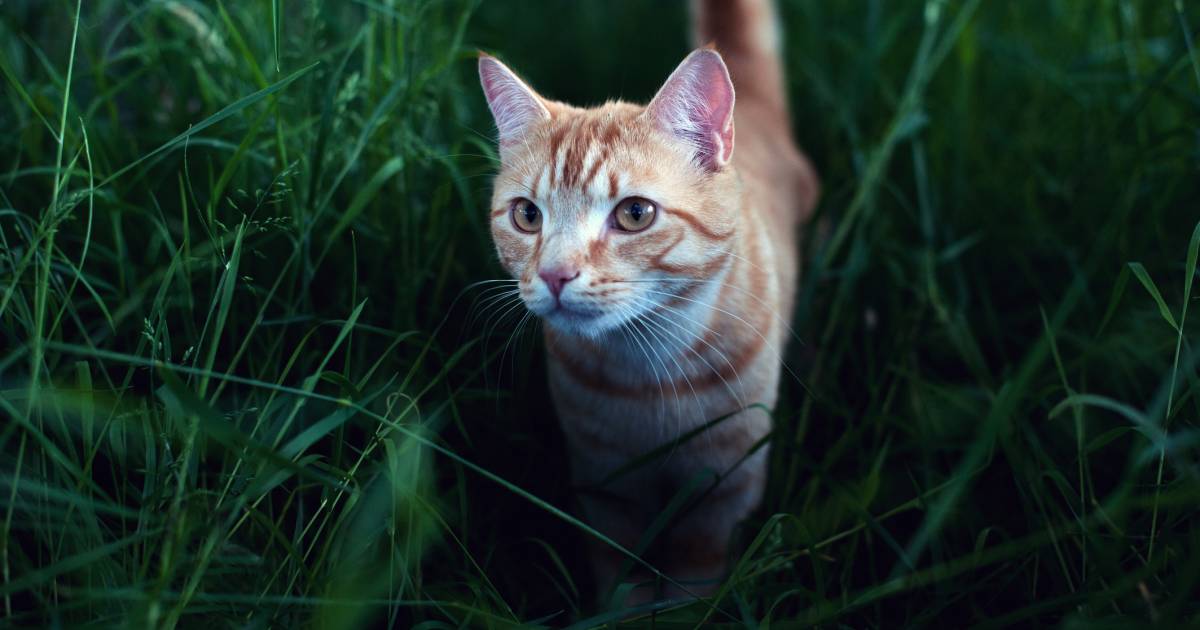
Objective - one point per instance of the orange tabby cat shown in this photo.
(664, 265)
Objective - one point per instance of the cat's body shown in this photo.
(658, 326)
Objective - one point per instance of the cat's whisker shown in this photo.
(485, 298)
(494, 281)
(494, 306)
(498, 311)
(490, 281)
(662, 393)
(632, 342)
(647, 344)
(739, 257)
(682, 372)
(679, 312)
(492, 300)
(655, 348)
(494, 290)
(665, 370)
(488, 287)
(659, 330)
(697, 337)
(486, 284)
(679, 419)
(767, 342)
(491, 158)
(499, 316)
(737, 397)
(514, 334)
(488, 309)
(725, 282)
(508, 309)
(720, 353)
(696, 396)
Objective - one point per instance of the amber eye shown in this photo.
(526, 216)
(634, 214)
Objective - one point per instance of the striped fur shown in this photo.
(666, 329)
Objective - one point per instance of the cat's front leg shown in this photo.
(699, 548)
(622, 521)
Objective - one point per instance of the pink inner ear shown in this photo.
(696, 105)
(514, 105)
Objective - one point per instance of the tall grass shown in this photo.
(249, 374)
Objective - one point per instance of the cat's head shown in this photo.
(605, 213)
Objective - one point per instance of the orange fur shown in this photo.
(657, 332)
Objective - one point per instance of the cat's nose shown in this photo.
(558, 276)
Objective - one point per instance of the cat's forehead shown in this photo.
(580, 151)
(612, 124)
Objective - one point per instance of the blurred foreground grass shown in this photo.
(246, 380)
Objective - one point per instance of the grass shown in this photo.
(247, 378)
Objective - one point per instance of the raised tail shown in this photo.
(747, 34)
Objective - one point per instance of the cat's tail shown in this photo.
(747, 34)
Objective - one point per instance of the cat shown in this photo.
(663, 263)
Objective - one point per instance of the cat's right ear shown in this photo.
(696, 106)
(514, 104)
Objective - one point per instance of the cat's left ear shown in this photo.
(514, 105)
(696, 106)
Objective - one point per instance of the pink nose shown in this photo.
(557, 277)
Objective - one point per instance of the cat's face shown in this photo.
(604, 214)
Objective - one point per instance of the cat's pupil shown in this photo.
(635, 211)
(530, 213)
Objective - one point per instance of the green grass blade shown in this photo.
(1139, 271)
(226, 112)
(74, 562)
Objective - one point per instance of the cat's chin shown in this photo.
(581, 323)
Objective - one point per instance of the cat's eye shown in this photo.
(634, 214)
(526, 216)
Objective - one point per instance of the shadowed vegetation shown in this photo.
(248, 375)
